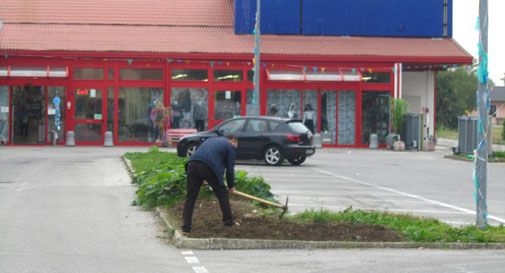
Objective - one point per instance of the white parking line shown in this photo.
(200, 269)
(498, 219)
(192, 260)
(187, 252)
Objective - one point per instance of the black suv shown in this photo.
(269, 138)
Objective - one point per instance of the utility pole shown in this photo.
(481, 156)
(257, 47)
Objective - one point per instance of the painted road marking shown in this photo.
(187, 252)
(192, 260)
(200, 269)
(498, 219)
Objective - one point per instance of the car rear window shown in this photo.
(273, 125)
(298, 127)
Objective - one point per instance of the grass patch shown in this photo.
(445, 132)
(415, 229)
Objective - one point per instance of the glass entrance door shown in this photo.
(28, 115)
(89, 115)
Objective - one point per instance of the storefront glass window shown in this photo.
(346, 117)
(190, 75)
(310, 110)
(88, 74)
(189, 108)
(376, 77)
(328, 117)
(227, 104)
(375, 115)
(252, 105)
(88, 104)
(56, 113)
(228, 75)
(134, 113)
(283, 103)
(4, 114)
(111, 74)
(137, 74)
(110, 109)
(250, 75)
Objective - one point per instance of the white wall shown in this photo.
(418, 88)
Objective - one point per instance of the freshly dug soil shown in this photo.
(207, 223)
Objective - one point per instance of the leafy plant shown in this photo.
(161, 179)
(399, 109)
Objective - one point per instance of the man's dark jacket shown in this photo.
(218, 154)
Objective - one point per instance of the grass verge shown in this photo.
(415, 229)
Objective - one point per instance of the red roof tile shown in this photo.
(163, 39)
(123, 12)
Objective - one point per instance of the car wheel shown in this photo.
(273, 156)
(297, 160)
(191, 149)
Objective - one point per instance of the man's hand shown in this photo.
(231, 190)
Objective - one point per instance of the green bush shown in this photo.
(161, 179)
(399, 109)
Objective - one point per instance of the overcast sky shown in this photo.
(464, 21)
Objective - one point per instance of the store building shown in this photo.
(104, 65)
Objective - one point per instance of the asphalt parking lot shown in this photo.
(420, 183)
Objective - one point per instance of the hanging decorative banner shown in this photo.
(211, 64)
(304, 69)
(169, 60)
(314, 69)
(323, 69)
(370, 70)
(353, 71)
(187, 62)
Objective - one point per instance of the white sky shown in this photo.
(465, 15)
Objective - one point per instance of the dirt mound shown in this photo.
(207, 223)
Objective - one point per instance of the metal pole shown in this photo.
(482, 104)
(257, 39)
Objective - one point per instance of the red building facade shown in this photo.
(107, 71)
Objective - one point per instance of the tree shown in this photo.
(455, 95)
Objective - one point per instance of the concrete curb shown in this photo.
(184, 242)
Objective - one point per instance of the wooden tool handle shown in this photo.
(252, 197)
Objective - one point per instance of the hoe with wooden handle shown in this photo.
(266, 202)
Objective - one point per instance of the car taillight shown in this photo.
(293, 138)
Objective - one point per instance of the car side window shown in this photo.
(233, 126)
(273, 125)
(257, 126)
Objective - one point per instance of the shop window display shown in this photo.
(310, 110)
(375, 115)
(56, 112)
(227, 104)
(4, 114)
(134, 113)
(284, 103)
(189, 108)
(252, 105)
(346, 117)
(328, 117)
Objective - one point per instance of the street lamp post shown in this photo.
(257, 47)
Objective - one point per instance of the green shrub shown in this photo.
(399, 109)
(161, 179)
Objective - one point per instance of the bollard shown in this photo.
(374, 141)
(108, 139)
(70, 138)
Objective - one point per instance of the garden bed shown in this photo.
(252, 225)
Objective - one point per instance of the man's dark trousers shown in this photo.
(197, 173)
